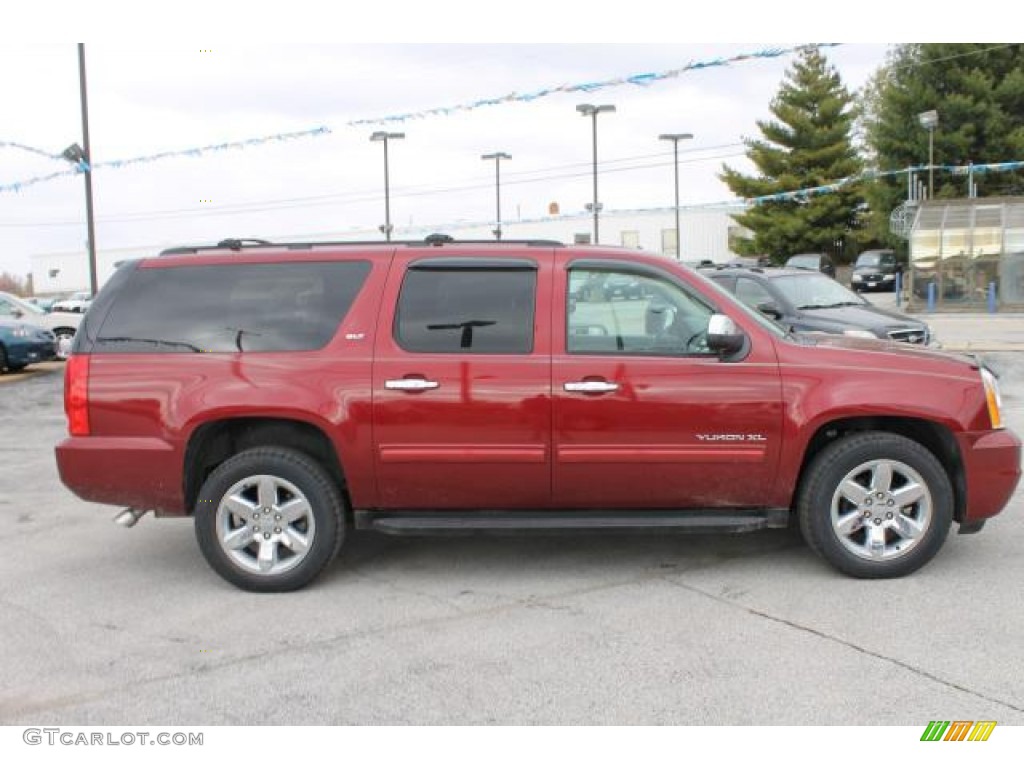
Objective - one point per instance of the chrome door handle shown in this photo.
(411, 385)
(590, 386)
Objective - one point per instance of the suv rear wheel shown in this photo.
(269, 519)
(875, 505)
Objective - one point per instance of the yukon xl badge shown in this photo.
(727, 438)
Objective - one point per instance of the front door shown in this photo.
(644, 415)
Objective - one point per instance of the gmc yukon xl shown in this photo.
(284, 394)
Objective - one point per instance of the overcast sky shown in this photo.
(146, 99)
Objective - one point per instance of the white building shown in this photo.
(706, 233)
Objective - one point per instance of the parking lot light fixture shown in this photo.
(81, 156)
(497, 157)
(592, 111)
(930, 121)
(675, 138)
(385, 136)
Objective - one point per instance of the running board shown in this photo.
(448, 523)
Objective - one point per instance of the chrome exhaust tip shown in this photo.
(127, 518)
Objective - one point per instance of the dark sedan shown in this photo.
(808, 302)
(21, 344)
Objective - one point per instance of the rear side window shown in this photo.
(482, 311)
(232, 308)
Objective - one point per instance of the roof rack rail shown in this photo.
(237, 244)
(436, 239)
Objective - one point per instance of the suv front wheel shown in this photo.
(875, 505)
(269, 519)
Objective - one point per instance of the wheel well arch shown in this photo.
(214, 442)
(935, 437)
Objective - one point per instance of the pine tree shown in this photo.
(978, 91)
(808, 145)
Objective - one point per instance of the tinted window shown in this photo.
(625, 313)
(231, 308)
(465, 310)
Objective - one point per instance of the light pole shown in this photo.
(592, 111)
(929, 121)
(83, 159)
(497, 157)
(675, 138)
(385, 136)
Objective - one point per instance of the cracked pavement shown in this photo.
(101, 625)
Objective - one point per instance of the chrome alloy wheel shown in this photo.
(265, 525)
(881, 510)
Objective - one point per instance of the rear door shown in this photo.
(462, 382)
(644, 416)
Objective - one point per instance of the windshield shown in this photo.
(875, 259)
(26, 307)
(816, 291)
(803, 262)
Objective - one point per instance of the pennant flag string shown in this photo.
(642, 79)
(835, 186)
(81, 167)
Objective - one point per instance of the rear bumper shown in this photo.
(992, 469)
(140, 472)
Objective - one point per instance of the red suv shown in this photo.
(282, 394)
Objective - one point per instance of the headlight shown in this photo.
(859, 333)
(993, 398)
(22, 332)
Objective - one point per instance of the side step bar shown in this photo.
(516, 522)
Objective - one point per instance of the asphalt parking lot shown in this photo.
(101, 625)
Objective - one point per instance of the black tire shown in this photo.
(6, 364)
(267, 485)
(901, 514)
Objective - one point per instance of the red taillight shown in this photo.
(76, 395)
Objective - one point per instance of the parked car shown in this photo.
(22, 344)
(818, 262)
(606, 288)
(283, 394)
(876, 271)
(810, 302)
(45, 303)
(62, 324)
(76, 302)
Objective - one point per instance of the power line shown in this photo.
(349, 198)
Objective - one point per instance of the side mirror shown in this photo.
(18, 313)
(724, 336)
(771, 309)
